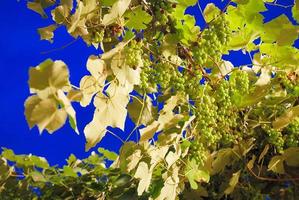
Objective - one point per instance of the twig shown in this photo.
(60, 48)
(271, 179)
(278, 5)
(139, 118)
(108, 131)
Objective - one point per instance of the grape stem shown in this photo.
(208, 23)
(186, 53)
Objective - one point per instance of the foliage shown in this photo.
(223, 131)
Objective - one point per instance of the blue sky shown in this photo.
(20, 48)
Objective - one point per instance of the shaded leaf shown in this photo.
(46, 33)
(286, 118)
(233, 182)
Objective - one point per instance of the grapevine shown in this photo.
(205, 127)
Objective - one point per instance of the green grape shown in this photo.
(274, 137)
(239, 81)
(98, 36)
(289, 82)
(292, 134)
(213, 39)
(227, 115)
(197, 152)
(147, 75)
(134, 54)
(177, 80)
(206, 112)
(192, 83)
(162, 10)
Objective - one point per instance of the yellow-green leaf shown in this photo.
(286, 118)
(233, 182)
(138, 18)
(276, 164)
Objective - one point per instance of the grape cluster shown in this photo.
(226, 114)
(290, 82)
(161, 10)
(146, 77)
(177, 80)
(291, 136)
(213, 39)
(206, 113)
(239, 82)
(192, 81)
(134, 54)
(163, 74)
(274, 137)
(98, 36)
(197, 152)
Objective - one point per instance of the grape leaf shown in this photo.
(280, 30)
(194, 174)
(67, 106)
(133, 160)
(39, 6)
(145, 175)
(233, 182)
(210, 12)
(108, 154)
(224, 157)
(97, 68)
(49, 74)
(68, 171)
(67, 3)
(295, 11)
(276, 164)
(60, 15)
(187, 3)
(172, 157)
(46, 33)
(111, 111)
(94, 133)
(37, 176)
(286, 118)
(124, 73)
(149, 131)
(117, 11)
(137, 19)
(90, 85)
(286, 55)
(291, 156)
(169, 190)
(46, 115)
(141, 112)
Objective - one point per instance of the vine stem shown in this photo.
(271, 179)
(60, 48)
(139, 117)
(221, 13)
(108, 131)
(278, 5)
